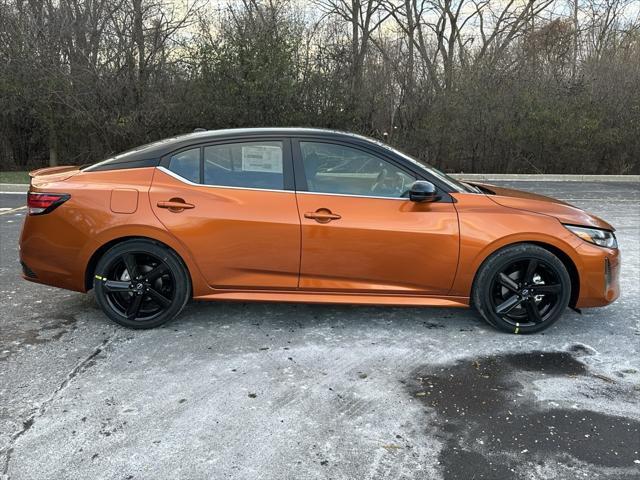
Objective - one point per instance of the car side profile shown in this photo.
(307, 215)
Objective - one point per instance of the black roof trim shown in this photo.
(121, 164)
(148, 155)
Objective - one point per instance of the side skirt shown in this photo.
(350, 298)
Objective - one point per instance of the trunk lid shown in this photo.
(53, 174)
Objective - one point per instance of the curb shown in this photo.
(14, 187)
(531, 177)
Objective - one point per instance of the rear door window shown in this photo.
(248, 164)
(186, 164)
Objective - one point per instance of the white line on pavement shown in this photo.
(6, 212)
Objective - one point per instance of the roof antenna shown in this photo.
(199, 129)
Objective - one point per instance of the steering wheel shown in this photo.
(389, 184)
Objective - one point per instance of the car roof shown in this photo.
(152, 152)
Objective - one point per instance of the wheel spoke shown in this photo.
(541, 289)
(531, 270)
(532, 310)
(134, 307)
(508, 305)
(141, 285)
(130, 263)
(112, 286)
(158, 271)
(508, 282)
(159, 298)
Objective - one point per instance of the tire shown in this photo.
(160, 290)
(521, 288)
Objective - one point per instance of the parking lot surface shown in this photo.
(286, 391)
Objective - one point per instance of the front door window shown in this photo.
(338, 169)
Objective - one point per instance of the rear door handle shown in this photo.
(322, 215)
(175, 205)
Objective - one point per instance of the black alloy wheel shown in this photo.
(141, 284)
(526, 292)
(522, 289)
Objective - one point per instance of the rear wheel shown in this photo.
(141, 284)
(522, 289)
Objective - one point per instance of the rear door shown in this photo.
(359, 231)
(232, 204)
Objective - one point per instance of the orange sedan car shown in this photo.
(307, 215)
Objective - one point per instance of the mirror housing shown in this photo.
(423, 191)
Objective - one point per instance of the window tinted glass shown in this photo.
(338, 169)
(451, 182)
(248, 164)
(186, 164)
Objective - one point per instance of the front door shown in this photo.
(360, 233)
(229, 204)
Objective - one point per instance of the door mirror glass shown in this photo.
(423, 191)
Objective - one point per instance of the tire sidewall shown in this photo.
(178, 270)
(499, 260)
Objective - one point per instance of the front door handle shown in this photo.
(322, 215)
(175, 205)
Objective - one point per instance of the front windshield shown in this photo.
(443, 177)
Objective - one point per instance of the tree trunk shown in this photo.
(576, 33)
(138, 38)
(53, 147)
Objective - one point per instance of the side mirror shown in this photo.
(423, 191)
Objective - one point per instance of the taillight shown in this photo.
(41, 203)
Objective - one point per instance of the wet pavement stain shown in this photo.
(48, 325)
(490, 422)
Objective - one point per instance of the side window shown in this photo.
(186, 164)
(331, 168)
(248, 164)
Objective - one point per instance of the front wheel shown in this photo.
(141, 284)
(522, 289)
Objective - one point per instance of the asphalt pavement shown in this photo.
(294, 391)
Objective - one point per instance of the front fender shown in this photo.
(508, 227)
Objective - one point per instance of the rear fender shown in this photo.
(121, 233)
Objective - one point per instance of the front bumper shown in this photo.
(599, 274)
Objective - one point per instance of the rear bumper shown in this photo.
(599, 276)
(50, 251)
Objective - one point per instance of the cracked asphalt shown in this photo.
(285, 391)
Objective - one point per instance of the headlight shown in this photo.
(603, 238)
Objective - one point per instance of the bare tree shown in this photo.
(364, 18)
(472, 85)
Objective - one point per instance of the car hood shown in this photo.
(564, 212)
